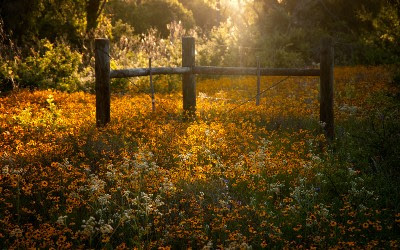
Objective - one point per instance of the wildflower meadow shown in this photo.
(237, 176)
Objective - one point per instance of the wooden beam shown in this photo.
(122, 73)
(326, 87)
(209, 70)
(102, 87)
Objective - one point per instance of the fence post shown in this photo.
(326, 87)
(102, 74)
(188, 80)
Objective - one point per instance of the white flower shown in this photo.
(5, 169)
(352, 171)
(106, 229)
(62, 220)
(104, 199)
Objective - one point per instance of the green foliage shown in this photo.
(49, 117)
(290, 49)
(156, 14)
(221, 48)
(6, 77)
(371, 146)
(42, 19)
(7, 52)
(396, 77)
(282, 33)
(366, 32)
(55, 66)
(382, 44)
(121, 30)
(159, 13)
(205, 15)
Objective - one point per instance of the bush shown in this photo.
(6, 77)
(54, 66)
(221, 48)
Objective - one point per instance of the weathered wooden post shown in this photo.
(102, 74)
(188, 79)
(326, 87)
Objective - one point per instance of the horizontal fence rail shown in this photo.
(123, 73)
(189, 70)
(210, 70)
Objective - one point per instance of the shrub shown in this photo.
(6, 77)
(54, 66)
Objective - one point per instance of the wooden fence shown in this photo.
(103, 74)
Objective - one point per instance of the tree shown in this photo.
(51, 19)
(146, 14)
(204, 14)
(359, 27)
(40, 19)
(94, 9)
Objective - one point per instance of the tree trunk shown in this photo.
(92, 13)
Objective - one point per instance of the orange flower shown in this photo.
(14, 183)
(298, 227)
(44, 183)
(62, 238)
(264, 244)
(351, 244)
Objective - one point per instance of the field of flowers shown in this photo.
(234, 177)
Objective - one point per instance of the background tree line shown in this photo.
(49, 43)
